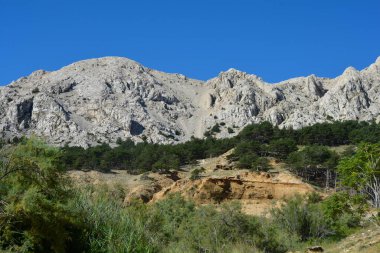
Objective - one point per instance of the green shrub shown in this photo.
(281, 148)
(315, 163)
(343, 212)
(302, 219)
(262, 133)
(261, 164)
(246, 161)
(34, 197)
(361, 172)
(196, 173)
(185, 228)
(215, 129)
(109, 227)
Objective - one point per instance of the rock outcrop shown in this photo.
(101, 100)
(256, 192)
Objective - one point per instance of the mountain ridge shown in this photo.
(103, 99)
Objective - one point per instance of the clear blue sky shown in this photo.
(275, 39)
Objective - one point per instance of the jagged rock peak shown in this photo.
(103, 99)
(234, 73)
(351, 71)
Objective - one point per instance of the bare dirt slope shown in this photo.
(365, 241)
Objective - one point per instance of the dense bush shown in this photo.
(312, 218)
(328, 134)
(34, 201)
(182, 227)
(176, 225)
(303, 219)
(331, 134)
(343, 212)
(196, 173)
(361, 172)
(261, 133)
(315, 163)
(369, 133)
(250, 155)
(281, 148)
(108, 226)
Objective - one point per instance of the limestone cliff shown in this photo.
(101, 100)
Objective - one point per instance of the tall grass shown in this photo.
(108, 226)
(172, 225)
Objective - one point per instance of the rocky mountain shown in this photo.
(101, 100)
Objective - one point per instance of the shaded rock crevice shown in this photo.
(24, 113)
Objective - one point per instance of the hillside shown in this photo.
(265, 190)
(101, 100)
(221, 182)
(364, 241)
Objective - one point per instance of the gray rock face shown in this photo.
(101, 100)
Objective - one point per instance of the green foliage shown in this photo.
(108, 226)
(246, 152)
(248, 147)
(312, 218)
(256, 140)
(301, 219)
(141, 157)
(183, 228)
(369, 133)
(167, 217)
(215, 128)
(281, 148)
(361, 172)
(41, 212)
(343, 212)
(348, 151)
(261, 133)
(34, 201)
(314, 163)
(246, 161)
(329, 134)
(313, 156)
(167, 163)
(230, 130)
(196, 173)
(313, 197)
(261, 164)
(207, 134)
(356, 171)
